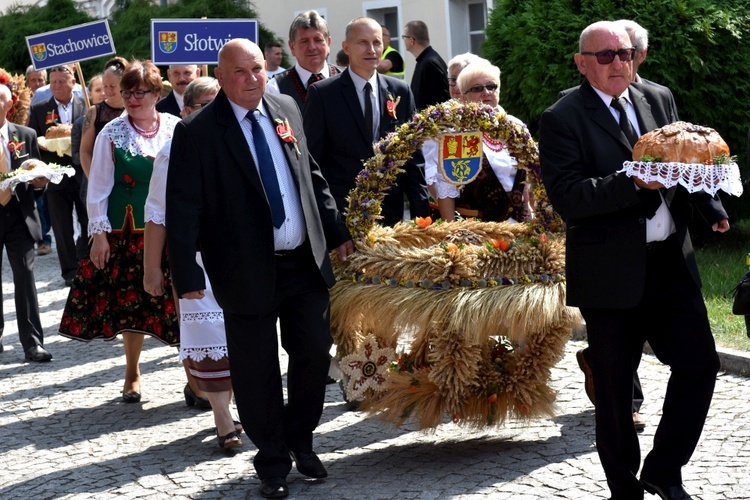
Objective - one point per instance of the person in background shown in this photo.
(35, 78)
(203, 342)
(630, 265)
(429, 147)
(63, 198)
(310, 44)
(429, 83)
(95, 88)
(342, 60)
(274, 55)
(276, 267)
(44, 93)
(107, 296)
(335, 119)
(499, 192)
(391, 63)
(19, 230)
(179, 76)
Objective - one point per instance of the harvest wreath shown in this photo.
(461, 319)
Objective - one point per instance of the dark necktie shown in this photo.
(314, 77)
(619, 104)
(650, 198)
(267, 170)
(368, 110)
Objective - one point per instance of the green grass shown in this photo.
(722, 262)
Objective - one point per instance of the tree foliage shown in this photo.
(696, 48)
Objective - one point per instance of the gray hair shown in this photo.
(31, 69)
(637, 33)
(462, 60)
(475, 69)
(198, 87)
(309, 19)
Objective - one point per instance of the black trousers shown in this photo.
(19, 246)
(301, 305)
(673, 318)
(62, 200)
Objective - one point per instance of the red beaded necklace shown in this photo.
(148, 134)
(494, 145)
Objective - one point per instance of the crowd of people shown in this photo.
(243, 178)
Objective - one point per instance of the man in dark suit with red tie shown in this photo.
(630, 265)
(63, 198)
(341, 135)
(246, 154)
(310, 44)
(20, 228)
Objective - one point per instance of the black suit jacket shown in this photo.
(582, 150)
(335, 129)
(429, 83)
(216, 202)
(168, 105)
(24, 192)
(38, 121)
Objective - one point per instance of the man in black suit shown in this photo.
(63, 108)
(310, 44)
(630, 265)
(639, 39)
(429, 83)
(227, 163)
(20, 228)
(180, 76)
(337, 129)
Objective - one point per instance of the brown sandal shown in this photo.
(229, 441)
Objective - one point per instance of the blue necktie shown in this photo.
(267, 170)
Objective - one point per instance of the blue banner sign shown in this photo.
(196, 41)
(69, 45)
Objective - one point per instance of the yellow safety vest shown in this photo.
(391, 73)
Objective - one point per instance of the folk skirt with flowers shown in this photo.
(106, 302)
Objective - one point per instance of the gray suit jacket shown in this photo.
(216, 202)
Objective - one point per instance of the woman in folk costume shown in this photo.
(107, 296)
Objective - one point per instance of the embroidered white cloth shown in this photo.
(51, 171)
(693, 176)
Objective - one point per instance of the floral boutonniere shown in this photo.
(128, 181)
(16, 148)
(52, 118)
(390, 106)
(286, 134)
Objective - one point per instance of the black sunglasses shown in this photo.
(607, 56)
(479, 88)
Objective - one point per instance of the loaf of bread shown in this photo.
(681, 142)
(58, 131)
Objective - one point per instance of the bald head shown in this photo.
(6, 102)
(241, 72)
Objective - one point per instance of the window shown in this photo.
(477, 17)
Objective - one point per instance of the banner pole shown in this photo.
(83, 85)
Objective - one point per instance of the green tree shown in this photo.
(696, 47)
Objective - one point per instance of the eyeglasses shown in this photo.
(63, 69)
(480, 88)
(452, 82)
(607, 56)
(199, 105)
(138, 94)
(407, 36)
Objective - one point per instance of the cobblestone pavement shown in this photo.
(65, 433)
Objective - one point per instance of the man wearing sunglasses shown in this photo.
(630, 266)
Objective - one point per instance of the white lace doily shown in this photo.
(60, 145)
(693, 176)
(51, 171)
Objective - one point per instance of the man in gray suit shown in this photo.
(246, 154)
(630, 265)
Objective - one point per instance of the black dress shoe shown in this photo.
(131, 397)
(309, 464)
(38, 354)
(666, 492)
(191, 399)
(274, 487)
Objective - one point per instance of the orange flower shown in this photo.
(452, 248)
(543, 238)
(492, 398)
(423, 222)
(501, 244)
